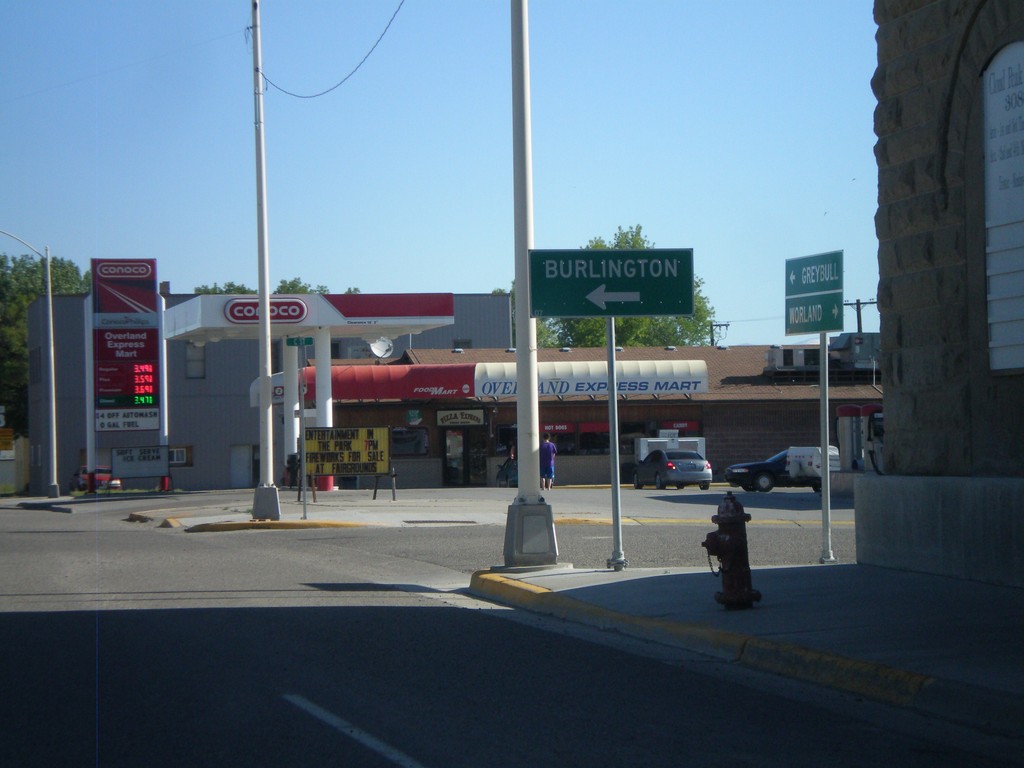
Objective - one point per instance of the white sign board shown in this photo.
(1004, 206)
(126, 419)
(1004, 137)
(150, 461)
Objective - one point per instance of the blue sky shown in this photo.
(740, 128)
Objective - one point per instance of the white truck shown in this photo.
(644, 445)
(805, 462)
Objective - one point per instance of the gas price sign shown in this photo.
(144, 384)
(126, 345)
(123, 385)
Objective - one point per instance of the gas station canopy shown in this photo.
(215, 317)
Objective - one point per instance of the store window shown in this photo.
(563, 435)
(593, 438)
(684, 427)
(195, 361)
(505, 439)
(629, 431)
(180, 456)
(409, 441)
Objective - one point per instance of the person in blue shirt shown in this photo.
(548, 451)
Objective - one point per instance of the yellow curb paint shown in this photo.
(877, 681)
(269, 525)
(522, 594)
(580, 521)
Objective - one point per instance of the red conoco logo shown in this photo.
(124, 269)
(241, 311)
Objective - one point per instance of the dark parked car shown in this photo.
(80, 480)
(679, 468)
(765, 475)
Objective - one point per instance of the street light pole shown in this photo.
(53, 487)
(529, 526)
(266, 504)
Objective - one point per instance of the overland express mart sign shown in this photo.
(348, 451)
(611, 283)
(814, 294)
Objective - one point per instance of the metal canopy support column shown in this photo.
(324, 396)
(290, 364)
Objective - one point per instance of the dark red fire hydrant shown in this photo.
(729, 545)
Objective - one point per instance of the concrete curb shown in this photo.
(267, 525)
(711, 642)
(991, 710)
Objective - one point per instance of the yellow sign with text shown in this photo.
(348, 450)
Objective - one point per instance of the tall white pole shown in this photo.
(527, 399)
(618, 559)
(529, 527)
(266, 505)
(51, 396)
(826, 474)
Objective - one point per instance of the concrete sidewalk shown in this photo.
(946, 647)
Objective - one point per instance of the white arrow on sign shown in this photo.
(792, 277)
(835, 310)
(600, 296)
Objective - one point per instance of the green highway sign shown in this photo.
(611, 283)
(299, 341)
(814, 294)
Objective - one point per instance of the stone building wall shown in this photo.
(951, 500)
(946, 412)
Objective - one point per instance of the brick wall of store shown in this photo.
(738, 432)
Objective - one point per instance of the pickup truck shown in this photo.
(80, 480)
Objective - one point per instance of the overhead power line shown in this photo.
(341, 82)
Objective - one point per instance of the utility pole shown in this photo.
(53, 488)
(858, 304)
(266, 504)
(714, 326)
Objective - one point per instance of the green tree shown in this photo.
(295, 285)
(22, 281)
(227, 288)
(632, 331)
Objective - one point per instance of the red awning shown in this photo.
(396, 382)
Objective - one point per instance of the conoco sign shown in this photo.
(124, 270)
(247, 311)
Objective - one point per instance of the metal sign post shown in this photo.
(618, 559)
(302, 341)
(814, 302)
(645, 282)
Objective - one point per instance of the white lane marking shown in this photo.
(345, 727)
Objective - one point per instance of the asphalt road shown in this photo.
(128, 644)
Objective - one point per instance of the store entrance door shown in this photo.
(465, 456)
